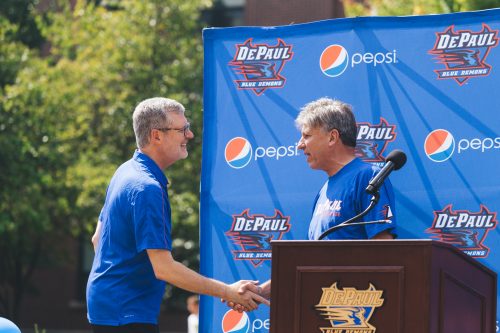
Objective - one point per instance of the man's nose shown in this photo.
(301, 145)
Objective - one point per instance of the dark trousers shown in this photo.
(128, 328)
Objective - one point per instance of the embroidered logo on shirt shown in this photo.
(328, 208)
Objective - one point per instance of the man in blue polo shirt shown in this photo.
(133, 259)
(328, 139)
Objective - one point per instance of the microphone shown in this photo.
(394, 161)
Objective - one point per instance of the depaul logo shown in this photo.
(260, 65)
(335, 59)
(463, 53)
(372, 140)
(253, 234)
(464, 229)
(349, 309)
(235, 322)
(238, 152)
(439, 145)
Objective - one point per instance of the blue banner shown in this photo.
(423, 84)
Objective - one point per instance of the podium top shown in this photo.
(421, 243)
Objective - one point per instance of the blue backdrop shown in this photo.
(425, 84)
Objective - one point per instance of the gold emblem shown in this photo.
(349, 310)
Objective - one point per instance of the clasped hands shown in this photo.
(246, 295)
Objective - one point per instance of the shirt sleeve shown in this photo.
(152, 219)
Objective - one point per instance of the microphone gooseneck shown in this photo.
(351, 221)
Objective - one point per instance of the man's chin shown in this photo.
(313, 166)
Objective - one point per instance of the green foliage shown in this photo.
(22, 13)
(35, 201)
(413, 7)
(65, 124)
(13, 55)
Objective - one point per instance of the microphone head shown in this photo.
(397, 157)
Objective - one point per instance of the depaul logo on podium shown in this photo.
(464, 229)
(349, 310)
(260, 65)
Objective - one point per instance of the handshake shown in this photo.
(246, 295)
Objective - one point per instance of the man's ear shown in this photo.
(154, 136)
(334, 136)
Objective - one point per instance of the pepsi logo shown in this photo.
(334, 60)
(238, 152)
(439, 145)
(235, 322)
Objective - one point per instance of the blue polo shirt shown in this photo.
(343, 196)
(122, 287)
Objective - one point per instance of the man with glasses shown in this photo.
(132, 242)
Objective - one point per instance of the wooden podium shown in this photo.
(366, 286)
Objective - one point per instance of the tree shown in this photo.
(35, 200)
(22, 13)
(414, 7)
(13, 54)
(65, 125)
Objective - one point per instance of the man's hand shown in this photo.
(241, 293)
(169, 270)
(252, 288)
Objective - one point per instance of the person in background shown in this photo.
(193, 306)
(132, 241)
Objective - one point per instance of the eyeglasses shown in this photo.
(183, 130)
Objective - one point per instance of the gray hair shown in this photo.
(329, 114)
(153, 113)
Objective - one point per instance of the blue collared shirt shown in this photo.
(343, 196)
(122, 287)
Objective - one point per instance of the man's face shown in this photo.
(174, 141)
(315, 143)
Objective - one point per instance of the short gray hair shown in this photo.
(329, 114)
(153, 113)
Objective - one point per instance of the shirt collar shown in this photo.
(151, 165)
